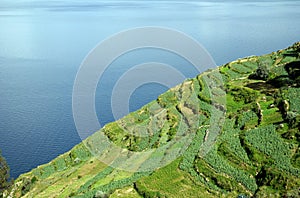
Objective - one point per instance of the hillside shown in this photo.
(232, 132)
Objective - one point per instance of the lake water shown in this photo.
(42, 45)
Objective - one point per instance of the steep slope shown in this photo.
(232, 132)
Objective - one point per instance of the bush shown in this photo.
(26, 185)
(100, 194)
(244, 94)
(293, 69)
(262, 72)
(4, 175)
(291, 118)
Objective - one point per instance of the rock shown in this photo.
(77, 160)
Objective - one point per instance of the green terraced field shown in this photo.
(225, 133)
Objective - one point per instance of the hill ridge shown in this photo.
(253, 150)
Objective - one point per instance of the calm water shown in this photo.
(42, 45)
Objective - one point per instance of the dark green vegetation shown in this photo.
(5, 181)
(246, 145)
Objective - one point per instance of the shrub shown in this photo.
(293, 69)
(244, 94)
(262, 72)
(26, 185)
(100, 194)
(291, 118)
(4, 175)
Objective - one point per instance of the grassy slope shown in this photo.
(256, 153)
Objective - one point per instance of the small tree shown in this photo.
(262, 72)
(291, 118)
(4, 175)
(293, 70)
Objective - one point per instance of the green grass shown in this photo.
(293, 95)
(165, 180)
(266, 140)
